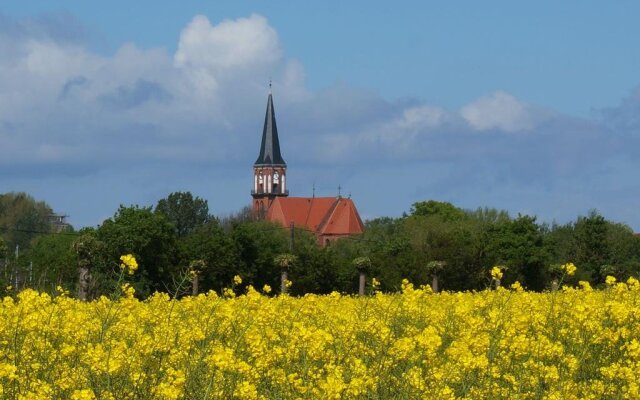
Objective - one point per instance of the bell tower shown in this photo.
(269, 170)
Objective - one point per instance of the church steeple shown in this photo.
(270, 147)
(269, 170)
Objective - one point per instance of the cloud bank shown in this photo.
(143, 122)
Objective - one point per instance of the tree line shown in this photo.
(177, 239)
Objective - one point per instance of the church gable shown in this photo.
(343, 219)
(325, 216)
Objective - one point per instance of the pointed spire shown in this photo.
(270, 147)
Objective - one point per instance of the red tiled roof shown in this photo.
(323, 215)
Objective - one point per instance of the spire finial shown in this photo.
(339, 191)
(269, 85)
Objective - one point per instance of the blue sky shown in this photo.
(528, 107)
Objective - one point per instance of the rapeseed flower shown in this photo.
(568, 344)
(128, 263)
(375, 283)
(569, 268)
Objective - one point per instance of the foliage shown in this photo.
(54, 261)
(214, 251)
(445, 210)
(168, 240)
(4, 250)
(184, 211)
(518, 244)
(362, 263)
(22, 218)
(257, 244)
(285, 260)
(150, 237)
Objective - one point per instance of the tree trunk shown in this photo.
(434, 284)
(283, 281)
(194, 284)
(363, 278)
(83, 283)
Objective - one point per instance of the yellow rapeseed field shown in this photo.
(495, 344)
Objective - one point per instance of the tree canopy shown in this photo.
(186, 212)
(436, 239)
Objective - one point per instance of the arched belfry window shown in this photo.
(276, 182)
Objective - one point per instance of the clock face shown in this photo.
(276, 177)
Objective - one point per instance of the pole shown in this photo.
(16, 266)
(363, 278)
(291, 239)
(284, 277)
(194, 285)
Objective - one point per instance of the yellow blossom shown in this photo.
(128, 262)
(127, 290)
(585, 285)
(568, 344)
(496, 272)
(516, 286)
(237, 280)
(569, 268)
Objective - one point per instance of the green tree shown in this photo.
(54, 262)
(315, 270)
(591, 246)
(184, 211)
(22, 218)
(257, 244)
(217, 250)
(435, 238)
(519, 245)
(94, 271)
(624, 250)
(447, 211)
(151, 238)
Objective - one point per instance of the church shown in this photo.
(329, 218)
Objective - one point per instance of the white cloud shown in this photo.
(57, 94)
(66, 111)
(240, 43)
(422, 117)
(211, 53)
(498, 111)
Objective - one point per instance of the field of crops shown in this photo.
(499, 344)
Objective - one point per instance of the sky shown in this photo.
(533, 108)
